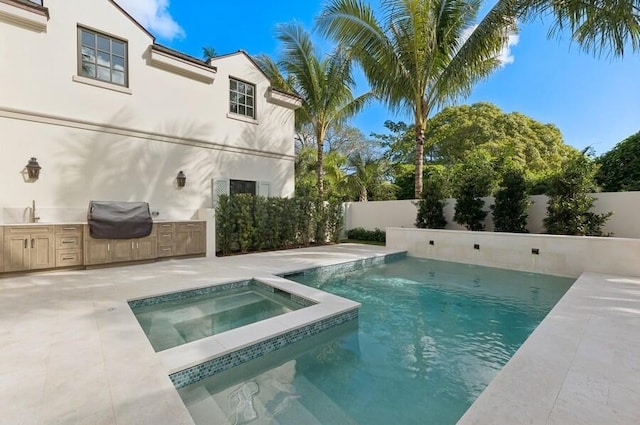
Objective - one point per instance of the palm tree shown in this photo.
(422, 54)
(208, 53)
(367, 176)
(598, 26)
(324, 83)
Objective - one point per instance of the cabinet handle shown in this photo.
(67, 258)
(33, 242)
(166, 249)
(108, 246)
(132, 245)
(166, 236)
(68, 228)
(67, 242)
(137, 245)
(26, 243)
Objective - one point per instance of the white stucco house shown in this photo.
(109, 114)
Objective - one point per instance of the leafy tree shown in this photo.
(421, 54)
(620, 167)
(510, 138)
(511, 203)
(569, 207)
(473, 181)
(431, 205)
(325, 84)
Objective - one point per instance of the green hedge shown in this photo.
(247, 223)
(361, 234)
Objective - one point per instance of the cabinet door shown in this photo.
(96, 251)
(122, 250)
(197, 242)
(16, 253)
(146, 248)
(42, 255)
(1, 249)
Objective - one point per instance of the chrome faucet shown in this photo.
(32, 213)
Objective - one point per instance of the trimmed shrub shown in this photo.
(361, 234)
(431, 205)
(569, 207)
(335, 220)
(511, 204)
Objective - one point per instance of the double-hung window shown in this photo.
(242, 98)
(102, 57)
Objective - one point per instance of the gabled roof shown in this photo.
(132, 19)
(180, 55)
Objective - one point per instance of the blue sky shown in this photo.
(595, 102)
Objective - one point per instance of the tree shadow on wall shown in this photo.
(109, 164)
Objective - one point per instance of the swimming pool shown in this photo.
(431, 336)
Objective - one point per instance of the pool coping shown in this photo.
(579, 366)
(196, 360)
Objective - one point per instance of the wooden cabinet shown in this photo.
(191, 238)
(69, 242)
(105, 251)
(1, 249)
(166, 239)
(28, 248)
(181, 238)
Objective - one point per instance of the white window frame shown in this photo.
(239, 92)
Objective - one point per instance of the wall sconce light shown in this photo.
(33, 169)
(181, 179)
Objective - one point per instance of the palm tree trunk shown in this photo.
(419, 160)
(319, 167)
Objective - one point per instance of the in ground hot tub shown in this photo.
(175, 319)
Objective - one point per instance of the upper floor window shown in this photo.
(102, 57)
(242, 98)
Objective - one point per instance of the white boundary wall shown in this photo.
(624, 223)
(558, 255)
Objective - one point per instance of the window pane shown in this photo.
(234, 85)
(249, 101)
(234, 97)
(88, 55)
(118, 77)
(104, 59)
(242, 110)
(104, 43)
(234, 108)
(118, 48)
(249, 90)
(88, 39)
(117, 63)
(250, 112)
(242, 100)
(88, 70)
(104, 73)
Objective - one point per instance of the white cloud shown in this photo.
(154, 15)
(505, 56)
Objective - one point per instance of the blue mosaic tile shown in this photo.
(212, 367)
(350, 266)
(134, 304)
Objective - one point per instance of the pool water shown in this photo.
(173, 323)
(430, 338)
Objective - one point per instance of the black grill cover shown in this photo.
(119, 220)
